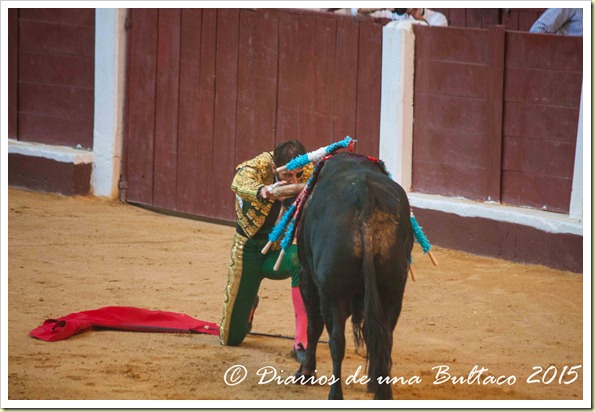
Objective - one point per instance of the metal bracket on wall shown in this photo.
(122, 188)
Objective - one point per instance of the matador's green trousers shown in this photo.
(247, 268)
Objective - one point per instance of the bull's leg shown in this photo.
(393, 303)
(336, 326)
(378, 338)
(315, 323)
(384, 389)
(381, 368)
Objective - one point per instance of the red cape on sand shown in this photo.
(121, 318)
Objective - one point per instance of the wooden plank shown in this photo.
(449, 147)
(257, 83)
(451, 78)
(56, 69)
(527, 50)
(541, 157)
(225, 113)
(141, 105)
(85, 17)
(451, 113)
(345, 79)
(490, 17)
(306, 92)
(444, 43)
(123, 182)
(59, 101)
(447, 180)
(493, 152)
(266, 64)
(510, 19)
(246, 135)
(189, 193)
(543, 87)
(290, 61)
(457, 18)
(166, 109)
(368, 89)
(56, 130)
(56, 38)
(208, 53)
(324, 83)
(533, 121)
(520, 19)
(540, 192)
(527, 19)
(13, 80)
(473, 18)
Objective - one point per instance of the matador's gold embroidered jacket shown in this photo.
(250, 176)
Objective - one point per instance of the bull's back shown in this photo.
(353, 197)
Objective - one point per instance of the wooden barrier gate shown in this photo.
(210, 88)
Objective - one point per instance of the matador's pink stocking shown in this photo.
(301, 319)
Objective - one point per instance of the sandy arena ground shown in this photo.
(70, 254)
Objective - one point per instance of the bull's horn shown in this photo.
(288, 190)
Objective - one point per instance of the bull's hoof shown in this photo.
(335, 394)
(299, 354)
(304, 379)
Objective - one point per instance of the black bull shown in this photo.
(354, 244)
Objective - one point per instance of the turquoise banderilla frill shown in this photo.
(422, 239)
(316, 155)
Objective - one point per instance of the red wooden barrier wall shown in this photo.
(520, 19)
(512, 19)
(210, 88)
(541, 110)
(457, 93)
(13, 77)
(497, 118)
(472, 18)
(51, 76)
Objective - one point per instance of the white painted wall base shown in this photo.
(62, 154)
(538, 219)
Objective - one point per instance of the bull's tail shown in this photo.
(376, 330)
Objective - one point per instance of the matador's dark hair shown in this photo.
(286, 151)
